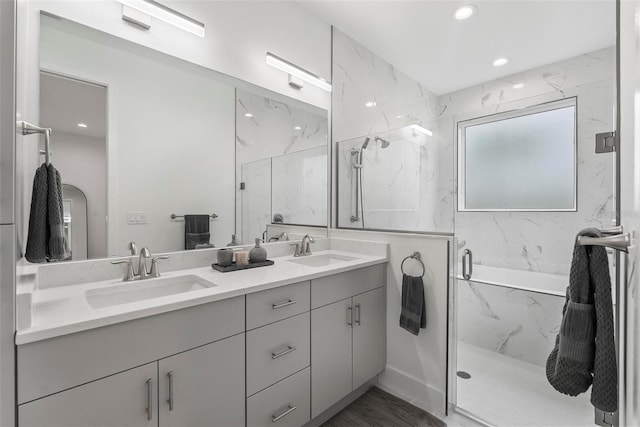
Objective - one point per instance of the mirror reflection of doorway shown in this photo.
(75, 221)
(77, 112)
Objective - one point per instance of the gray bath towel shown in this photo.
(584, 353)
(196, 230)
(46, 239)
(413, 315)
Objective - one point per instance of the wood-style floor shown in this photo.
(377, 408)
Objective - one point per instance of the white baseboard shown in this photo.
(412, 390)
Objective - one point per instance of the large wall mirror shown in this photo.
(146, 136)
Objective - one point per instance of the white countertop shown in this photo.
(64, 309)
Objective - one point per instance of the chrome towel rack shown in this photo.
(418, 257)
(614, 239)
(30, 129)
(174, 216)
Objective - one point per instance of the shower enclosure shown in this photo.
(529, 179)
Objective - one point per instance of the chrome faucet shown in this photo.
(305, 245)
(133, 248)
(142, 263)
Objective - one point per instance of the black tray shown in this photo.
(235, 267)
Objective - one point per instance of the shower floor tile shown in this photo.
(504, 391)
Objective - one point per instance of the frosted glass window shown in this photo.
(521, 161)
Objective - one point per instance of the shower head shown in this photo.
(365, 143)
(383, 142)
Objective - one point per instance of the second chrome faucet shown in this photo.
(143, 272)
(304, 247)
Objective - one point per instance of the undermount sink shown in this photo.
(127, 292)
(321, 260)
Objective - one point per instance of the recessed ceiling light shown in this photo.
(248, 115)
(297, 128)
(464, 12)
(518, 85)
(82, 125)
(370, 104)
(500, 62)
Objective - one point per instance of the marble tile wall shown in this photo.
(370, 98)
(513, 322)
(267, 129)
(543, 241)
(299, 184)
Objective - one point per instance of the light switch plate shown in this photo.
(137, 217)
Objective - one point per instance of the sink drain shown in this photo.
(464, 375)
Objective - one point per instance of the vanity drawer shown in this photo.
(327, 290)
(286, 403)
(276, 351)
(276, 304)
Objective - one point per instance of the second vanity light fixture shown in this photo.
(296, 72)
(161, 12)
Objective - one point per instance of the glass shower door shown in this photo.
(512, 265)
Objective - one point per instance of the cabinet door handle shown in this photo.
(282, 353)
(350, 316)
(170, 399)
(149, 399)
(357, 314)
(290, 409)
(284, 304)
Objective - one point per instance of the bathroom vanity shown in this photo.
(269, 346)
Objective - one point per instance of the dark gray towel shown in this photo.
(58, 249)
(46, 239)
(414, 314)
(584, 353)
(196, 230)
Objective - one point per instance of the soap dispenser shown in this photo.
(233, 241)
(258, 254)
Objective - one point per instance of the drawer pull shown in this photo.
(282, 353)
(350, 316)
(276, 418)
(170, 399)
(357, 321)
(284, 304)
(149, 399)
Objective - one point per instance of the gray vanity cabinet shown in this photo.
(121, 400)
(203, 386)
(347, 336)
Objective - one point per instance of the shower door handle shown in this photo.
(467, 264)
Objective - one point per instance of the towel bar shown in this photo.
(619, 242)
(174, 216)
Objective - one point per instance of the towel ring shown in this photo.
(416, 255)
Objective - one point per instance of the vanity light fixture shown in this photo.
(464, 12)
(500, 62)
(82, 125)
(518, 85)
(421, 129)
(296, 72)
(163, 13)
(370, 104)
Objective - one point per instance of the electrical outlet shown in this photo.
(137, 218)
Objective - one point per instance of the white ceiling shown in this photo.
(66, 102)
(422, 39)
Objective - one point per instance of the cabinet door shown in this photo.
(330, 355)
(121, 400)
(369, 327)
(203, 386)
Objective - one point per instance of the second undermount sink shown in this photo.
(321, 260)
(127, 292)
